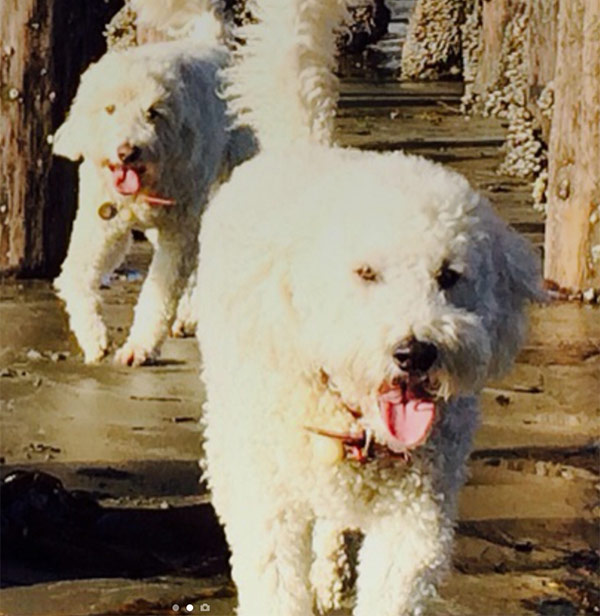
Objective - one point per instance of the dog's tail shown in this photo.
(179, 19)
(282, 83)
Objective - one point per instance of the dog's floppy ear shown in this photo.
(517, 281)
(71, 137)
(68, 138)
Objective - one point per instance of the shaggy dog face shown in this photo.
(421, 292)
(136, 117)
(392, 284)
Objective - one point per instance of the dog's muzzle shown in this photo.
(406, 414)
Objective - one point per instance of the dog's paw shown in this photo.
(329, 591)
(131, 354)
(183, 328)
(94, 348)
(92, 355)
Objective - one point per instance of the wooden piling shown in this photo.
(573, 229)
(45, 45)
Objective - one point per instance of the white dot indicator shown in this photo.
(189, 607)
(175, 607)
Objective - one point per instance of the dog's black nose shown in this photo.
(128, 153)
(413, 355)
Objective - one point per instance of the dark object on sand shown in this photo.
(51, 533)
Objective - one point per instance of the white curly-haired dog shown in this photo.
(354, 304)
(156, 140)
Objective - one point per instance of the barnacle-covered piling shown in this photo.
(433, 42)
(507, 75)
(472, 44)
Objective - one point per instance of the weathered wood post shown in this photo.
(45, 44)
(573, 228)
(495, 16)
(541, 43)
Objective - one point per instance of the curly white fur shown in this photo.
(162, 99)
(192, 19)
(282, 302)
(294, 96)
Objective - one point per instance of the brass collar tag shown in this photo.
(107, 210)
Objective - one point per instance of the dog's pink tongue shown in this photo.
(408, 420)
(126, 180)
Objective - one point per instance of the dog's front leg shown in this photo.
(96, 248)
(330, 567)
(175, 256)
(400, 562)
(270, 560)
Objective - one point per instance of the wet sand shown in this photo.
(528, 534)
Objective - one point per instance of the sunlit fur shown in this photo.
(187, 148)
(180, 18)
(282, 303)
(284, 85)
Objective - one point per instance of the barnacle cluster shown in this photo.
(506, 96)
(121, 31)
(433, 40)
(545, 104)
(509, 101)
(472, 45)
(526, 152)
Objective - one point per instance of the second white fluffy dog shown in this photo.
(155, 141)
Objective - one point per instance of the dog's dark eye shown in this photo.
(447, 277)
(366, 272)
(110, 109)
(152, 114)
